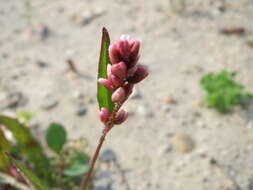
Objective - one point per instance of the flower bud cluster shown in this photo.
(122, 74)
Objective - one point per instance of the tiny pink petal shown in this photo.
(139, 75)
(125, 37)
(135, 48)
(115, 81)
(119, 70)
(121, 116)
(129, 89)
(104, 115)
(131, 71)
(106, 83)
(118, 95)
(114, 53)
(109, 71)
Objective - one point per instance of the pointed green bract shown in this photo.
(103, 94)
(29, 146)
(28, 175)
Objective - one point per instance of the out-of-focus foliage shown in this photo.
(56, 137)
(26, 116)
(223, 92)
(27, 161)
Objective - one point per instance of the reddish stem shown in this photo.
(107, 128)
(93, 161)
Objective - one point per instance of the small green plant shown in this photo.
(223, 92)
(21, 150)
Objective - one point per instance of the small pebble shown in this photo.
(108, 155)
(169, 100)
(136, 94)
(164, 149)
(12, 100)
(228, 185)
(145, 110)
(182, 143)
(81, 111)
(49, 103)
(41, 63)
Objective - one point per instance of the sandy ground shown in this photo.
(170, 141)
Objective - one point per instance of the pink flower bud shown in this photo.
(130, 72)
(129, 89)
(104, 115)
(118, 95)
(114, 53)
(115, 81)
(106, 83)
(125, 50)
(119, 70)
(109, 69)
(133, 61)
(139, 75)
(135, 48)
(120, 117)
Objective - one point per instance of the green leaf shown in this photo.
(79, 158)
(4, 161)
(56, 137)
(28, 145)
(103, 94)
(76, 170)
(5, 146)
(25, 115)
(29, 176)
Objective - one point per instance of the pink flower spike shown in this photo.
(106, 83)
(115, 81)
(118, 95)
(121, 116)
(104, 115)
(119, 70)
(139, 75)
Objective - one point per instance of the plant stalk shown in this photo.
(93, 161)
(107, 128)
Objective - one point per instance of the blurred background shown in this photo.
(49, 54)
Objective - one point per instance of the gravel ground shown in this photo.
(171, 141)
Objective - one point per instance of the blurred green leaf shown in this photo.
(104, 95)
(29, 176)
(80, 158)
(28, 145)
(56, 137)
(5, 146)
(4, 161)
(76, 170)
(25, 115)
